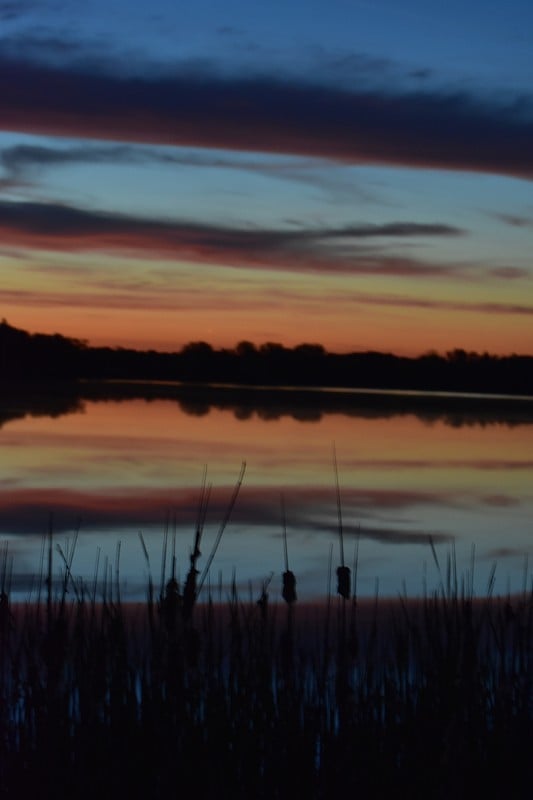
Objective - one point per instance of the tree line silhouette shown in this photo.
(27, 357)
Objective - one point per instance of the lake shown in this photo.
(113, 468)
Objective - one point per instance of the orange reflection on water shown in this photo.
(155, 443)
(126, 466)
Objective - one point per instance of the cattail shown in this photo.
(288, 591)
(343, 582)
(289, 587)
(343, 572)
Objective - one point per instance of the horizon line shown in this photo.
(258, 347)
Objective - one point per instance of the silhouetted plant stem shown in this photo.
(100, 697)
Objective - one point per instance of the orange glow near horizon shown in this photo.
(167, 332)
(162, 305)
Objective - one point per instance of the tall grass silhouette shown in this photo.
(253, 699)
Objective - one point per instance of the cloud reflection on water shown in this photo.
(124, 467)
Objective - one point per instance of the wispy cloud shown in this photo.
(515, 220)
(506, 552)
(500, 501)
(21, 158)
(330, 249)
(15, 9)
(415, 128)
(310, 510)
(447, 305)
(509, 273)
(112, 295)
(22, 165)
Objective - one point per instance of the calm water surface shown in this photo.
(117, 468)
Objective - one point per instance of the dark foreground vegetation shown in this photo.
(259, 700)
(26, 357)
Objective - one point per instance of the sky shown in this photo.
(354, 174)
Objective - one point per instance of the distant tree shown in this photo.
(309, 350)
(246, 349)
(197, 361)
(273, 349)
(460, 356)
(199, 348)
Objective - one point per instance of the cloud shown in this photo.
(110, 295)
(509, 273)
(505, 552)
(20, 158)
(312, 511)
(66, 228)
(387, 534)
(28, 510)
(15, 9)
(421, 74)
(445, 305)
(515, 220)
(500, 500)
(21, 162)
(416, 128)
(230, 30)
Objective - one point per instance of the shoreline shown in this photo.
(305, 404)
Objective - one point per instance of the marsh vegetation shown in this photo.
(258, 698)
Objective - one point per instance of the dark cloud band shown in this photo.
(420, 129)
(66, 228)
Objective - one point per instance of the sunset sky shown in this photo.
(357, 174)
